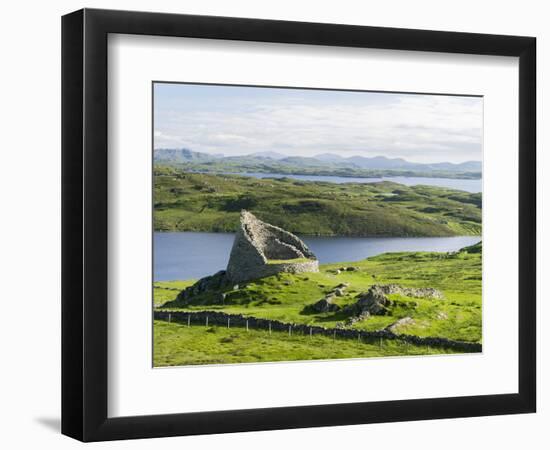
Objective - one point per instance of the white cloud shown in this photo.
(416, 127)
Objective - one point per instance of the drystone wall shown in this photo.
(239, 320)
(409, 292)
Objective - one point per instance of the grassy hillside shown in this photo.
(178, 345)
(286, 297)
(203, 202)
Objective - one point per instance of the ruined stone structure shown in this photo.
(375, 301)
(261, 250)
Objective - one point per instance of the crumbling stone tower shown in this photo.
(261, 250)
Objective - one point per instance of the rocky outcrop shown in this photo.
(262, 250)
(399, 324)
(372, 302)
(325, 305)
(375, 300)
(215, 282)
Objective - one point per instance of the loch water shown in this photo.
(186, 255)
(468, 185)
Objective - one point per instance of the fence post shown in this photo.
(290, 330)
(246, 324)
(310, 332)
(188, 320)
(169, 317)
(334, 335)
(206, 320)
(269, 327)
(228, 320)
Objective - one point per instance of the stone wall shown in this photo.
(409, 292)
(239, 320)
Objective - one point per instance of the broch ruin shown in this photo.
(261, 250)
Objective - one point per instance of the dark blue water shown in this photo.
(186, 255)
(463, 185)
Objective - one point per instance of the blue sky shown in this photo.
(300, 122)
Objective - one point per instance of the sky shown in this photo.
(239, 120)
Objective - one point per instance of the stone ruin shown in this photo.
(374, 302)
(261, 250)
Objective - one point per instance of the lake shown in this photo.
(186, 255)
(452, 183)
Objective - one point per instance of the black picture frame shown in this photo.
(84, 224)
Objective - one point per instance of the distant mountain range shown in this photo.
(323, 161)
(381, 162)
(181, 155)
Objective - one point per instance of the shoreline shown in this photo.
(351, 236)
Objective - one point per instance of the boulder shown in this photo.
(206, 284)
(325, 305)
(397, 325)
(354, 319)
(372, 302)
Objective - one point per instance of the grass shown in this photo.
(285, 297)
(179, 345)
(288, 261)
(165, 291)
(205, 202)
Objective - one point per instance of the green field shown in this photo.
(286, 297)
(178, 345)
(204, 202)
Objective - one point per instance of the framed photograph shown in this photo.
(272, 224)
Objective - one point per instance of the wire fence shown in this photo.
(210, 318)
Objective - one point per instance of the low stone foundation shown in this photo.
(267, 270)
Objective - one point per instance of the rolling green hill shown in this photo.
(186, 201)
